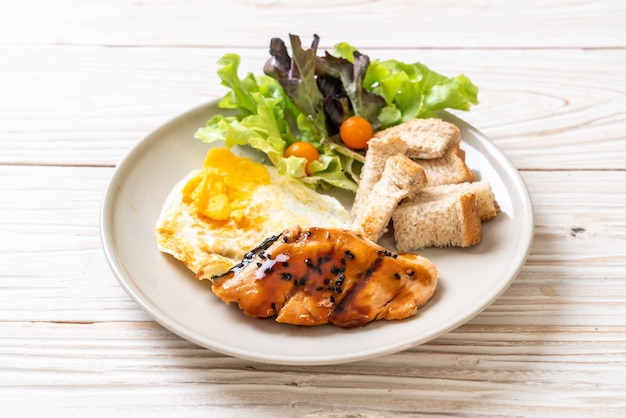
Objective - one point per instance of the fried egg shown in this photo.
(217, 214)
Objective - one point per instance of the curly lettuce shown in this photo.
(305, 97)
(412, 90)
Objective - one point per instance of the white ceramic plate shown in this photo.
(470, 279)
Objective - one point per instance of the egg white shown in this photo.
(213, 248)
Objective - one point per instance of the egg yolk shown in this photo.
(223, 187)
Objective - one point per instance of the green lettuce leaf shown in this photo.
(268, 121)
(415, 91)
(411, 90)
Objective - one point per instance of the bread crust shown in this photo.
(448, 169)
(486, 202)
(425, 138)
(402, 178)
(470, 221)
(450, 221)
(378, 151)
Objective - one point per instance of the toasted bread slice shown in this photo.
(425, 138)
(401, 178)
(445, 222)
(488, 207)
(378, 150)
(448, 169)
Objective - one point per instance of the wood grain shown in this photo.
(374, 23)
(68, 111)
(580, 366)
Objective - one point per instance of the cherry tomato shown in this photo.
(304, 150)
(355, 131)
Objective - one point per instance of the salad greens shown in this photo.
(305, 97)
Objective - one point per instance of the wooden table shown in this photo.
(82, 82)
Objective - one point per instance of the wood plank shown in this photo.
(91, 105)
(53, 267)
(574, 274)
(135, 366)
(468, 24)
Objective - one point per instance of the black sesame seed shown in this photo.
(320, 288)
(343, 261)
(334, 270)
(273, 305)
(308, 233)
(332, 299)
(332, 289)
(259, 264)
(338, 290)
(349, 254)
(269, 256)
(308, 262)
(411, 273)
(285, 240)
(327, 281)
(394, 256)
(285, 264)
(338, 282)
(286, 276)
(396, 275)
